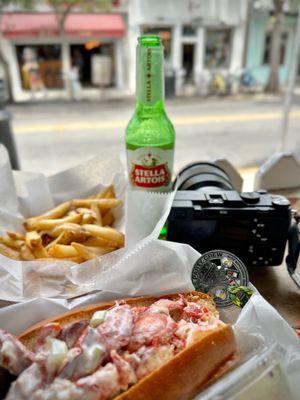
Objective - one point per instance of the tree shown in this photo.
(62, 8)
(273, 82)
(24, 4)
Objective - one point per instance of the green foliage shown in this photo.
(24, 4)
(64, 7)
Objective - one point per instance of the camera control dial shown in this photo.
(280, 202)
(250, 197)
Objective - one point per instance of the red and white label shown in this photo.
(150, 168)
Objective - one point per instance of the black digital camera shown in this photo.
(207, 213)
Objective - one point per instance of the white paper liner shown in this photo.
(25, 194)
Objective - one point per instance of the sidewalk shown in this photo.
(113, 95)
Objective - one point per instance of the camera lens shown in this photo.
(203, 176)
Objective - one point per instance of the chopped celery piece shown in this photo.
(98, 318)
(57, 353)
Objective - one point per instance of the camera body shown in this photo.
(252, 225)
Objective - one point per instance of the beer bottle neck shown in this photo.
(149, 78)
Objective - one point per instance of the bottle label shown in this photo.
(150, 167)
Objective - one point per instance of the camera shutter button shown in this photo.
(250, 197)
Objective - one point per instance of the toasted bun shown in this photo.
(189, 371)
(211, 354)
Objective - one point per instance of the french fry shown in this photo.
(40, 252)
(67, 226)
(26, 254)
(85, 210)
(99, 242)
(35, 244)
(79, 236)
(8, 252)
(103, 204)
(65, 237)
(72, 213)
(110, 194)
(47, 224)
(87, 218)
(62, 251)
(107, 233)
(77, 233)
(108, 219)
(14, 243)
(102, 193)
(88, 215)
(33, 239)
(15, 235)
(97, 213)
(106, 193)
(56, 212)
(87, 253)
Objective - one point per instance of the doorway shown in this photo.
(95, 62)
(188, 52)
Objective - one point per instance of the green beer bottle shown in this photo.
(150, 134)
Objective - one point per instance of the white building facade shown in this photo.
(200, 37)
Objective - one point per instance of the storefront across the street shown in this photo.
(36, 54)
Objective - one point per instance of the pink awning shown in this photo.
(28, 25)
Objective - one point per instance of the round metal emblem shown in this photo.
(215, 272)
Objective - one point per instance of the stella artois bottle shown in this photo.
(150, 134)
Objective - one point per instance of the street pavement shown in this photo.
(54, 136)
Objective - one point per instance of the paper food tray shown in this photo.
(24, 194)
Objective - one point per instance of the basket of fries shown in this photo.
(53, 227)
(76, 230)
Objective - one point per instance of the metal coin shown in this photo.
(215, 272)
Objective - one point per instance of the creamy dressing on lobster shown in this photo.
(100, 358)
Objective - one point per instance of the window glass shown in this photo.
(189, 30)
(267, 48)
(40, 65)
(217, 48)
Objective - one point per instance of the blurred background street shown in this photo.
(51, 137)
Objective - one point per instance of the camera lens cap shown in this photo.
(222, 275)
